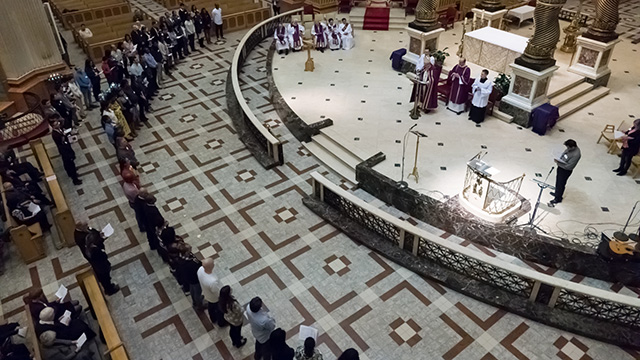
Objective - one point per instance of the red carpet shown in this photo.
(376, 18)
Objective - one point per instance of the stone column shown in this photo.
(426, 16)
(603, 28)
(538, 54)
(490, 5)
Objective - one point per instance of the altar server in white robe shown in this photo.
(346, 35)
(281, 36)
(296, 32)
(481, 90)
(333, 35)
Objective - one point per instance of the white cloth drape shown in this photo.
(27, 41)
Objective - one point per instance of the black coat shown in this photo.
(63, 144)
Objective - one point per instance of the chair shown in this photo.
(448, 18)
(493, 98)
(444, 89)
(636, 162)
(608, 133)
(345, 6)
(410, 9)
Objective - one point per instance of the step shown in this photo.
(337, 137)
(553, 92)
(502, 116)
(338, 151)
(584, 100)
(330, 161)
(571, 94)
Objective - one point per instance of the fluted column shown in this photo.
(426, 16)
(27, 42)
(538, 54)
(604, 25)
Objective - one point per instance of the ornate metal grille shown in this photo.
(474, 268)
(598, 308)
(367, 219)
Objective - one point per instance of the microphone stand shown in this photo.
(531, 224)
(634, 236)
(403, 184)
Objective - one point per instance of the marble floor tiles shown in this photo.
(264, 242)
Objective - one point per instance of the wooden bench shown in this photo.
(98, 305)
(33, 343)
(62, 216)
(78, 11)
(27, 239)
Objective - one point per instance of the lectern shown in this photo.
(489, 199)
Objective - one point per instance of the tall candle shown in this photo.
(482, 18)
(465, 21)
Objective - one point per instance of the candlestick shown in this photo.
(482, 18)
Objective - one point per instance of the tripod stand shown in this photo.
(542, 185)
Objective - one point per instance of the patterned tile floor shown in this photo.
(265, 243)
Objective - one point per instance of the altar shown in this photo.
(493, 49)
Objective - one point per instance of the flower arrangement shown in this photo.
(440, 55)
(502, 83)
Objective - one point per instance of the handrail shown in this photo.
(273, 145)
(32, 107)
(559, 285)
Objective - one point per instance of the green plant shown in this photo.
(502, 83)
(440, 55)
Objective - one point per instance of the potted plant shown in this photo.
(440, 56)
(501, 84)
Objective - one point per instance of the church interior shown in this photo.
(381, 196)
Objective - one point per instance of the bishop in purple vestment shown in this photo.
(459, 78)
(427, 91)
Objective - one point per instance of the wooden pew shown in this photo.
(62, 216)
(98, 305)
(27, 239)
(33, 343)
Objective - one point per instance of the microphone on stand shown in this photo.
(403, 184)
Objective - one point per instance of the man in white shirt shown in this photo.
(481, 90)
(136, 69)
(85, 32)
(216, 15)
(211, 291)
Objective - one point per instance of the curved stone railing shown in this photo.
(264, 146)
(22, 127)
(575, 307)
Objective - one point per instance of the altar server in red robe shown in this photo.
(459, 77)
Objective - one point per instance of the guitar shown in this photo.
(622, 248)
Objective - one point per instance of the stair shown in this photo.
(582, 101)
(571, 94)
(335, 156)
(397, 20)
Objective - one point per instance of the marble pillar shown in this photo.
(603, 28)
(490, 5)
(426, 16)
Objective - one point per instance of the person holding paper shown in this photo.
(72, 331)
(459, 78)
(80, 235)
(232, 312)
(566, 162)
(262, 324)
(24, 209)
(630, 148)
(97, 257)
(308, 351)
(60, 349)
(481, 89)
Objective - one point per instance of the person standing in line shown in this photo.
(278, 346)
(153, 220)
(66, 152)
(97, 257)
(206, 24)
(350, 354)
(189, 265)
(630, 148)
(308, 351)
(80, 235)
(94, 75)
(211, 290)
(84, 83)
(566, 163)
(131, 188)
(190, 30)
(262, 324)
(232, 312)
(216, 14)
(481, 90)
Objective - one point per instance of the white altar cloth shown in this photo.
(493, 49)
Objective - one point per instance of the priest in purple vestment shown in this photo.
(459, 78)
(427, 91)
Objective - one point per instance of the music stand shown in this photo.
(415, 112)
(542, 185)
(414, 173)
